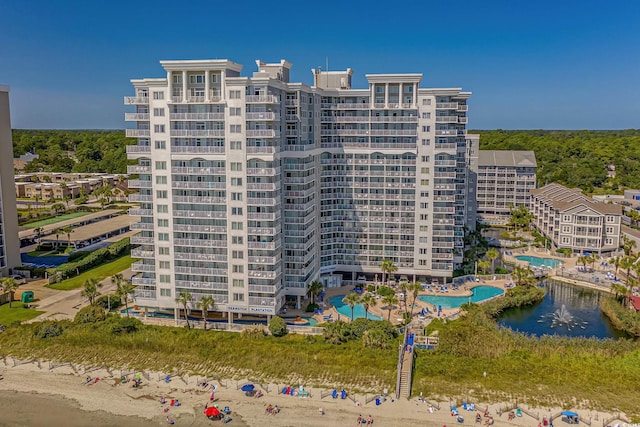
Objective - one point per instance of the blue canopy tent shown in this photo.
(572, 417)
(247, 387)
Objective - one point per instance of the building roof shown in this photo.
(509, 158)
(635, 301)
(562, 198)
(97, 229)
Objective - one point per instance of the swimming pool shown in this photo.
(478, 294)
(345, 309)
(535, 261)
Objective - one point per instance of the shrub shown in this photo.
(375, 338)
(385, 290)
(253, 333)
(124, 325)
(90, 314)
(49, 329)
(311, 307)
(337, 332)
(564, 251)
(105, 300)
(501, 270)
(77, 255)
(277, 326)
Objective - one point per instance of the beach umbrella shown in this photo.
(569, 413)
(211, 411)
(247, 387)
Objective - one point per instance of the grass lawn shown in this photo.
(16, 313)
(101, 272)
(55, 220)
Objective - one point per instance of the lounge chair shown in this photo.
(334, 394)
(343, 394)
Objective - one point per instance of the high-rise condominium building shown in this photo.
(9, 243)
(250, 188)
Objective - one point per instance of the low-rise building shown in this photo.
(504, 180)
(575, 221)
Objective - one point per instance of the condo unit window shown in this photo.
(196, 79)
(163, 251)
(422, 262)
(426, 128)
(235, 111)
(165, 265)
(566, 218)
(236, 225)
(161, 194)
(177, 78)
(165, 292)
(424, 217)
(158, 128)
(197, 91)
(236, 181)
(611, 218)
(426, 115)
(161, 179)
(426, 101)
(608, 241)
(236, 166)
(237, 240)
(161, 165)
(163, 222)
(424, 228)
(236, 145)
(214, 78)
(161, 145)
(379, 89)
(565, 240)
(238, 283)
(238, 268)
(425, 159)
(163, 237)
(162, 208)
(423, 240)
(236, 128)
(158, 95)
(237, 254)
(424, 170)
(423, 251)
(424, 205)
(424, 182)
(236, 211)
(165, 278)
(238, 297)
(609, 230)
(236, 197)
(234, 94)
(158, 112)
(426, 142)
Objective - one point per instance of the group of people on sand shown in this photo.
(366, 421)
(272, 410)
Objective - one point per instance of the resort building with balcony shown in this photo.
(505, 179)
(575, 221)
(9, 243)
(250, 188)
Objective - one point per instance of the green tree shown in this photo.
(368, 301)
(414, 290)
(628, 245)
(387, 266)
(626, 263)
(184, 298)
(314, 290)
(484, 266)
(634, 216)
(277, 326)
(124, 289)
(520, 217)
(337, 332)
(9, 285)
(492, 254)
(523, 277)
(90, 290)
(68, 230)
(615, 261)
(205, 304)
(351, 300)
(389, 300)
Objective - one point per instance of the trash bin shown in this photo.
(27, 296)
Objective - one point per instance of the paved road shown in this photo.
(65, 304)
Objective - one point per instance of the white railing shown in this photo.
(132, 100)
(134, 169)
(143, 281)
(201, 243)
(447, 132)
(137, 198)
(199, 214)
(137, 133)
(142, 267)
(261, 150)
(140, 212)
(446, 105)
(141, 226)
(138, 149)
(139, 253)
(207, 149)
(132, 117)
(140, 240)
(199, 257)
(196, 132)
(265, 99)
(198, 171)
(446, 119)
(261, 186)
(137, 183)
(200, 199)
(263, 171)
(261, 133)
(196, 116)
(394, 132)
(261, 116)
(200, 228)
(195, 184)
(254, 201)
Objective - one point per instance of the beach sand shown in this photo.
(34, 396)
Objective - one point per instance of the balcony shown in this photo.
(139, 253)
(348, 106)
(136, 169)
(134, 117)
(143, 294)
(137, 183)
(200, 228)
(203, 149)
(263, 171)
(138, 149)
(264, 231)
(136, 239)
(137, 198)
(292, 132)
(141, 225)
(462, 108)
(199, 199)
(268, 116)
(447, 132)
(137, 133)
(196, 116)
(394, 132)
(198, 171)
(263, 216)
(143, 281)
(261, 133)
(291, 117)
(265, 289)
(200, 243)
(196, 133)
(262, 260)
(199, 214)
(463, 120)
(197, 184)
(446, 119)
(200, 271)
(262, 301)
(136, 100)
(199, 257)
(269, 246)
(394, 119)
(261, 186)
(261, 150)
(140, 267)
(140, 212)
(262, 274)
(447, 106)
(261, 99)
(255, 201)
(291, 102)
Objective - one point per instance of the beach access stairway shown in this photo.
(405, 366)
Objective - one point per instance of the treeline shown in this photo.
(576, 158)
(73, 150)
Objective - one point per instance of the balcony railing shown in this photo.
(260, 116)
(196, 132)
(199, 257)
(203, 149)
(138, 149)
(196, 116)
(135, 169)
(133, 117)
(261, 150)
(197, 184)
(139, 253)
(137, 183)
(198, 171)
(137, 198)
(140, 212)
(262, 99)
(137, 133)
(446, 106)
(135, 100)
(141, 225)
(263, 171)
(261, 133)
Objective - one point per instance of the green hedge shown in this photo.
(94, 259)
(622, 318)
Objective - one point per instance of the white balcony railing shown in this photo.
(135, 100)
(133, 117)
(196, 132)
(138, 149)
(135, 169)
(137, 133)
(204, 149)
(196, 116)
(262, 99)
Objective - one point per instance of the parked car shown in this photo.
(20, 280)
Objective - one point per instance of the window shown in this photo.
(425, 159)
(238, 283)
(163, 222)
(234, 94)
(161, 145)
(423, 240)
(177, 78)
(237, 254)
(424, 205)
(426, 142)
(165, 292)
(611, 218)
(423, 251)
(162, 208)
(236, 145)
(609, 230)
(236, 166)
(237, 240)
(424, 217)
(165, 265)
(161, 166)
(566, 218)
(163, 251)
(426, 128)
(196, 79)
(236, 128)
(236, 225)
(236, 197)
(565, 240)
(426, 101)
(236, 211)
(158, 112)
(238, 297)
(158, 128)
(161, 179)
(161, 194)
(608, 241)
(236, 181)
(238, 268)
(426, 115)
(235, 111)
(163, 237)
(424, 170)
(424, 182)
(158, 95)
(165, 278)
(422, 262)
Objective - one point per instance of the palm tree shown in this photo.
(626, 263)
(387, 266)
(404, 290)
(368, 301)
(390, 301)
(124, 288)
(205, 304)
(523, 276)
(615, 261)
(484, 265)
(38, 232)
(314, 289)
(90, 290)
(352, 299)
(628, 245)
(68, 230)
(9, 285)
(492, 254)
(584, 260)
(634, 216)
(414, 288)
(185, 298)
(58, 232)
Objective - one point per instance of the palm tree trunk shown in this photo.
(389, 315)
(352, 307)
(126, 304)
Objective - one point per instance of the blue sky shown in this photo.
(543, 64)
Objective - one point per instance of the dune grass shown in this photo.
(101, 272)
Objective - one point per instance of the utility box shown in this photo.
(27, 296)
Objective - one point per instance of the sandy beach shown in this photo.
(39, 396)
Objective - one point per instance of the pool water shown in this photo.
(535, 261)
(478, 294)
(345, 309)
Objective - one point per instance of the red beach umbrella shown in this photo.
(211, 411)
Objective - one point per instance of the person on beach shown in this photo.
(359, 420)
(170, 421)
(369, 420)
